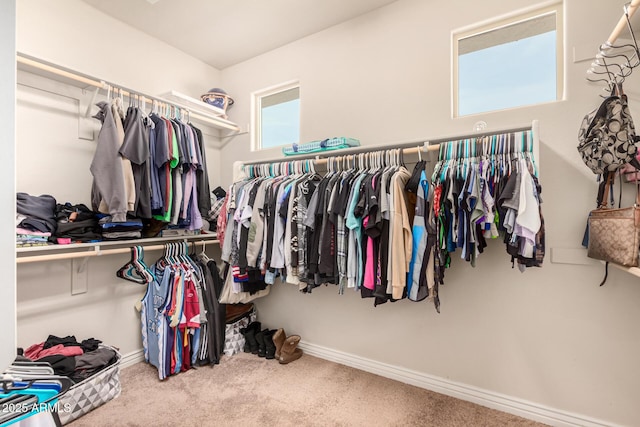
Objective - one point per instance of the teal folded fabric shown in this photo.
(319, 146)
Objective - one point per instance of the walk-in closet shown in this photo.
(292, 212)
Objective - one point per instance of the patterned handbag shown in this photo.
(614, 234)
(607, 135)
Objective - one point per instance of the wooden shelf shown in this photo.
(83, 250)
(631, 270)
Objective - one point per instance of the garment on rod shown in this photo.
(149, 167)
(172, 312)
(382, 231)
(312, 230)
(487, 195)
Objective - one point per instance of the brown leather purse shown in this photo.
(614, 234)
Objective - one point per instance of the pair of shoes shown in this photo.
(258, 341)
(266, 347)
(286, 348)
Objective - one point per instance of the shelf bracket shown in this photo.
(85, 123)
(79, 276)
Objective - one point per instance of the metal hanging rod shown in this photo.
(409, 147)
(616, 58)
(622, 23)
(97, 251)
(101, 84)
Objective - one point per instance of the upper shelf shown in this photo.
(196, 106)
(198, 110)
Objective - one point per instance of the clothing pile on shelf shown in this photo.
(41, 221)
(35, 219)
(125, 230)
(149, 167)
(76, 223)
(380, 229)
(182, 322)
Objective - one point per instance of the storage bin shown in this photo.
(90, 393)
(233, 339)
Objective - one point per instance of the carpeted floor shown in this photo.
(245, 390)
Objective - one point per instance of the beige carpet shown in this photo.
(245, 390)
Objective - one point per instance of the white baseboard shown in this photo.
(501, 402)
(132, 358)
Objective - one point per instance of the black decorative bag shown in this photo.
(607, 135)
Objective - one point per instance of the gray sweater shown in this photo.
(106, 168)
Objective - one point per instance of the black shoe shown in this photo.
(269, 345)
(260, 337)
(249, 333)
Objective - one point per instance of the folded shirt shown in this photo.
(37, 351)
(39, 210)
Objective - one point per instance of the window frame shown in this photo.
(505, 21)
(256, 111)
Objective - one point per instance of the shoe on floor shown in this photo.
(290, 350)
(278, 340)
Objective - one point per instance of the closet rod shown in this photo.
(100, 84)
(622, 23)
(96, 252)
(409, 147)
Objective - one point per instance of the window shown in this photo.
(276, 116)
(509, 64)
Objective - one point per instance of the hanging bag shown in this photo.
(607, 135)
(614, 234)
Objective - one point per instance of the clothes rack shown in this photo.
(371, 225)
(42, 67)
(422, 145)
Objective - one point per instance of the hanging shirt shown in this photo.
(135, 147)
(401, 243)
(354, 252)
(419, 238)
(107, 168)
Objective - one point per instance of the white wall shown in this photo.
(550, 335)
(8, 125)
(53, 159)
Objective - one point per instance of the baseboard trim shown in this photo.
(132, 358)
(501, 402)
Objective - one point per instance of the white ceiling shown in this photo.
(225, 32)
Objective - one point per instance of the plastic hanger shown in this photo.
(133, 271)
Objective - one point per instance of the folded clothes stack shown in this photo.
(125, 230)
(76, 223)
(35, 219)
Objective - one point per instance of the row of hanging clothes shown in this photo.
(487, 188)
(150, 166)
(373, 226)
(182, 323)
